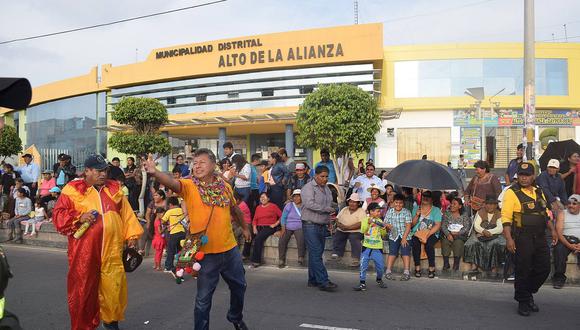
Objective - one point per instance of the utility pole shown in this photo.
(529, 80)
(355, 12)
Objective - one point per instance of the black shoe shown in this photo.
(112, 326)
(533, 307)
(431, 274)
(381, 284)
(312, 285)
(558, 285)
(240, 326)
(360, 287)
(524, 309)
(418, 273)
(330, 287)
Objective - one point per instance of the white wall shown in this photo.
(386, 150)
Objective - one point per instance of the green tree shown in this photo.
(145, 116)
(10, 143)
(341, 118)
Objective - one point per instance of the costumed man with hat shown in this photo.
(98, 219)
(525, 219)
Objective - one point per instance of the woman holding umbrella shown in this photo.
(426, 224)
(568, 171)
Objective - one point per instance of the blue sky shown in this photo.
(405, 22)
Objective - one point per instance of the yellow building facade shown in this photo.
(247, 90)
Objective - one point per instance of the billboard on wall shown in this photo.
(515, 117)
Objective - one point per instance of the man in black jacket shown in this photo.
(64, 171)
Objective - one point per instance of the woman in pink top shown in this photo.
(46, 184)
(266, 223)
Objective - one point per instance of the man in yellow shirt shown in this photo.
(172, 218)
(525, 219)
(210, 204)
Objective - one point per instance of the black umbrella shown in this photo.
(558, 150)
(15, 93)
(425, 174)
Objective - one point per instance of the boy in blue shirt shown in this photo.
(373, 229)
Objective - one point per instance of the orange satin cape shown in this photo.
(96, 283)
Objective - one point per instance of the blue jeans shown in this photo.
(245, 194)
(229, 265)
(315, 237)
(375, 255)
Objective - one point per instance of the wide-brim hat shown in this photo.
(375, 186)
(131, 259)
(491, 199)
(354, 197)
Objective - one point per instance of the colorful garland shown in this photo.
(215, 193)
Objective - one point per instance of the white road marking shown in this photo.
(324, 327)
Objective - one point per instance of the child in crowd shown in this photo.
(158, 242)
(172, 218)
(373, 229)
(22, 209)
(54, 194)
(36, 221)
(398, 222)
(19, 183)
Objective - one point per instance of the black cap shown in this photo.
(374, 206)
(27, 155)
(525, 168)
(63, 157)
(131, 259)
(97, 162)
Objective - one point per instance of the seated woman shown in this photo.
(426, 224)
(455, 227)
(376, 192)
(266, 222)
(291, 225)
(486, 248)
(348, 223)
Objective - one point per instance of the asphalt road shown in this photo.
(280, 299)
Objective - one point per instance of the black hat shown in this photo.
(491, 199)
(374, 206)
(131, 259)
(63, 157)
(15, 93)
(97, 162)
(27, 155)
(525, 168)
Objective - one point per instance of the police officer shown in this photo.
(525, 219)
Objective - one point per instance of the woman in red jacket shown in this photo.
(266, 222)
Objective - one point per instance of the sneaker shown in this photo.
(405, 277)
(389, 276)
(431, 274)
(240, 326)
(360, 287)
(254, 265)
(381, 284)
(312, 285)
(281, 265)
(512, 277)
(558, 285)
(334, 256)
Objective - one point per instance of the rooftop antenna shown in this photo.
(565, 33)
(356, 12)
(136, 55)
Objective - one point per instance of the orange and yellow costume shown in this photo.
(96, 283)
